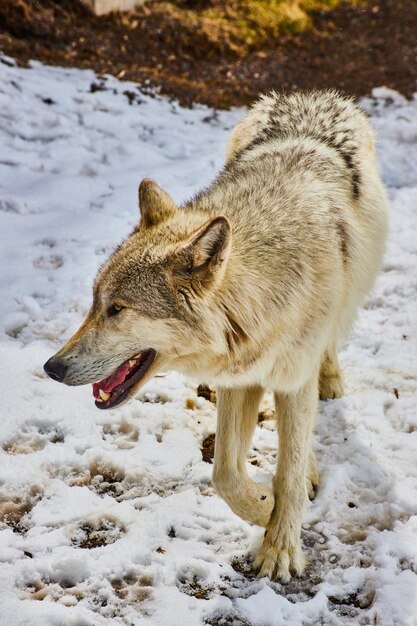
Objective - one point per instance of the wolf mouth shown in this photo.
(111, 391)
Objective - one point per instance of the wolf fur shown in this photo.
(252, 285)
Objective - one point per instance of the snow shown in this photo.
(109, 517)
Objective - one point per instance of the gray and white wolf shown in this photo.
(250, 285)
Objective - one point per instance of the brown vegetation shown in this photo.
(224, 52)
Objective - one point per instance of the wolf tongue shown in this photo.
(108, 384)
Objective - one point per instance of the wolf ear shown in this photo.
(201, 259)
(154, 203)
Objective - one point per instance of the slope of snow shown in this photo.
(109, 518)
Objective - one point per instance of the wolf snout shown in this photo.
(55, 369)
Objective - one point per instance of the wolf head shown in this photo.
(151, 307)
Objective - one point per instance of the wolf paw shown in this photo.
(330, 387)
(279, 561)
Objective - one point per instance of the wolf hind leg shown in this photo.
(237, 414)
(330, 379)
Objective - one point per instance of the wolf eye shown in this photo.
(114, 309)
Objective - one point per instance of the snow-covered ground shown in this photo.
(109, 517)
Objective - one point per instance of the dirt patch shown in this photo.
(134, 589)
(194, 58)
(116, 602)
(40, 589)
(225, 620)
(361, 599)
(108, 479)
(204, 391)
(97, 533)
(32, 438)
(15, 509)
(244, 567)
(105, 479)
(197, 588)
(207, 448)
(266, 414)
(123, 434)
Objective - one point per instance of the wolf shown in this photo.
(250, 285)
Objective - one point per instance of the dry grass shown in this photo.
(241, 26)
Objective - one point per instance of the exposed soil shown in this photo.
(98, 533)
(15, 509)
(204, 391)
(353, 48)
(133, 589)
(207, 448)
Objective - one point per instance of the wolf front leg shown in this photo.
(237, 415)
(280, 554)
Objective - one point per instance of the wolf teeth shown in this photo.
(132, 362)
(104, 395)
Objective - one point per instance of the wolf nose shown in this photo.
(55, 369)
